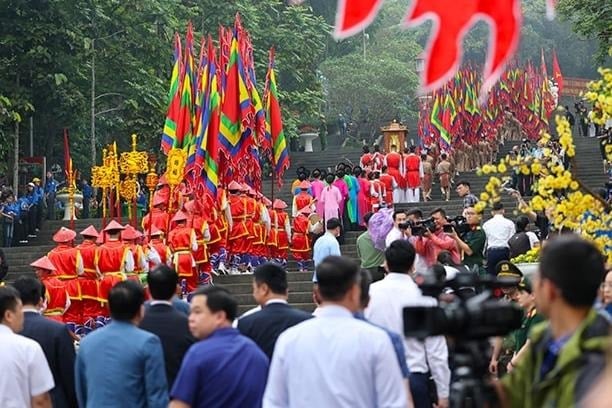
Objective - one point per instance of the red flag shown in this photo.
(557, 76)
(354, 16)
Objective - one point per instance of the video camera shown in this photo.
(419, 227)
(475, 314)
(458, 223)
(468, 321)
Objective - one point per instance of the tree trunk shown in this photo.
(16, 153)
(93, 103)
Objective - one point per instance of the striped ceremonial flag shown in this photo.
(213, 158)
(169, 132)
(274, 124)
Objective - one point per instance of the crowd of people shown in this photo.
(351, 351)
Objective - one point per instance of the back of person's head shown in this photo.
(575, 267)
(162, 282)
(399, 256)
(443, 156)
(521, 223)
(365, 149)
(417, 213)
(445, 258)
(9, 302)
(365, 280)
(330, 178)
(367, 216)
(335, 277)
(439, 272)
(332, 224)
(125, 300)
(272, 275)
(219, 299)
(498, 206)
(30, 290)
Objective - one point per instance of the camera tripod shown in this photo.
(469, 387)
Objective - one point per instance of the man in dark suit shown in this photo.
(276, 316)
(53, 338)
(162, 319)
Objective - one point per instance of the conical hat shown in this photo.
(159, 199)
(306, 210)
(279, 204)
(245, 188)
(64, 235)
(267, 201)
(179, 216)
(155, 232)
(114, 226)
(304, 185)
(90, 232)
(234, 186)
(43, 263)
(129, 233)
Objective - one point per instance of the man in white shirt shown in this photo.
(388, 298)
(399, 217)
(26, 378)
(335, 360)
(498, 230)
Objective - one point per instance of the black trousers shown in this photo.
(495, 256)
(419, 389)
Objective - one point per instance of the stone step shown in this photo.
(294, 297)
(248, 278)
(241, 288)
(307, 307)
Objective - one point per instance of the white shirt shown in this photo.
(394, 235)
(498, 230)
(25, 371)
(335, 361)
(388, 298)
(533, 239)
(419, 263)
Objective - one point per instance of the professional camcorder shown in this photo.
(419, 227)
(468, 322)
(459, 224)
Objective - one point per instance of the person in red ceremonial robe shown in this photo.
(393, 161)
(56, 296)
(365, 162)
(302, 199)
(413, 176)
(113, 260)
(156, 242)
(261, 227)
(89, 281)
(183, 242)
(252, 217)
(239, 237)
(280, 232)
(300, 238)
(390, 185)
(363, 198)
(217, 213)
(378, 159)
(130, 236)
(377, 191)
(200, 255)
(68, 267)
(158, 217)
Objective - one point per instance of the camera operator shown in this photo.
(472, 242)
(434, 240)
(399, 218)
(388, 297)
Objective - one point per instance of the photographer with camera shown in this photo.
(388, 297)
(471, 240)
(566, 355)
(435, 238)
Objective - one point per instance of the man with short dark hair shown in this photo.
(371, 257)
(270, 292)
(430, 244)
(225, 368)
(565, 356)
(388, 298)
(399, 218)
(463, 189)
(327, 244)
(498, 230)
(162, 319)
(334, 359)
(52, 336)
(28, 386)
(120, 364)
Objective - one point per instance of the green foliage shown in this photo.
(592, 19)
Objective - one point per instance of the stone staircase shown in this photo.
(588, 163)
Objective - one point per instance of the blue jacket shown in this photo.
(51, 186)
(121, 365)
